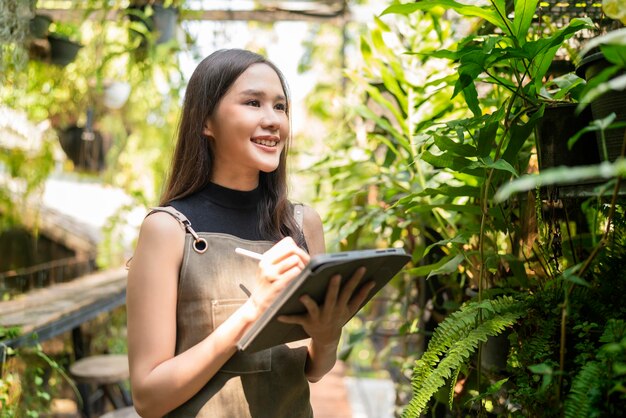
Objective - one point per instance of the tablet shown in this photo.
(381, 266)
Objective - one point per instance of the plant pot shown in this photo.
(39, 26)
(558, 124)
(62, 50)
(163, 21)
(86, 149)
(496, 352)
(612, 101)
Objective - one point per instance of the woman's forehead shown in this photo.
(259, 79)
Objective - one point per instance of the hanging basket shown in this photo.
(62, 50)
(613, 101)
(85, 148)
(558, 124)
(163, 21)
(39, 26)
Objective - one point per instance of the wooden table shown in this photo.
(45, 313)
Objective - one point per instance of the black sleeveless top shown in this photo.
(219, 209)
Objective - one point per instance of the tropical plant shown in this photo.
(427, 152)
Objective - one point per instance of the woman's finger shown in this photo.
(359, 298)
(348, 288)
(289, 263)
(283, 249)
(292, 319)
(332, 291)
(310, 306)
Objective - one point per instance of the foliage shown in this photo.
(29, 379)
(439, 122)
(14, 32)
(25, 167)
(137, 136)
(453, 343)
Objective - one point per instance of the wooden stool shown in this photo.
(128, 412)
(107, 373)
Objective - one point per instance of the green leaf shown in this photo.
(486, 138)
(615, 54)
(449, 267)
(615, 84)
(519, 135)
(468, 209)
(614, 37)
(424, 270)
(543, 50)
(453, 191)
(496, 165)
(541, 368)
(524, 11)
(488, 14)
(471, 98)
(444, 143)
(562, 175)
(576, 280)
(459, 239)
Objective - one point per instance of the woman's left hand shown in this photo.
(323, 323)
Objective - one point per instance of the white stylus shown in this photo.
(248, 253)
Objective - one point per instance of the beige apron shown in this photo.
(213, 283)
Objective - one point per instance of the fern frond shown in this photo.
(452, 386)
(456, 339)
(588, 380)
(614, 331)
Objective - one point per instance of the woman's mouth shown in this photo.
(267, 142)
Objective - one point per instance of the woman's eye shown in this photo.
(281, 106)
(253, 103)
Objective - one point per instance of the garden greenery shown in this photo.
(440, 128)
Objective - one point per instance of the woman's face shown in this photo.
(249, 127)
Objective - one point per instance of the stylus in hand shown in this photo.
(248, 253)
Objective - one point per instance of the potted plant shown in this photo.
(153, 20)
(560, 122)
(39, 26)
(64, 39)
(603, 65)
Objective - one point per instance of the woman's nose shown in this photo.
(270, 119)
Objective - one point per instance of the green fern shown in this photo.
(579, 402)
(454, 342)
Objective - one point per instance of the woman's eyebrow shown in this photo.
(260, 93)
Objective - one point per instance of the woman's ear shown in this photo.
(207, 130)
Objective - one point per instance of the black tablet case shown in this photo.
(267, 332)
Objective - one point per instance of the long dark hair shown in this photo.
(192, 162)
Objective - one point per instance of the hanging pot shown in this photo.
(85, 148)
(163, 20)
(62, 50)
(558, 124)
(39, 26)
(612, 101)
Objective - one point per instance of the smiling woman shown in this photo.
(249, 129)
(190, 296)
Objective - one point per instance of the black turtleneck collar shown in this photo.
(220, 209)
(230, 198)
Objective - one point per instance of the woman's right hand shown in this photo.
(279, 265)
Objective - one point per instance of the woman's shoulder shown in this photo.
(160, 223)
(312, 228)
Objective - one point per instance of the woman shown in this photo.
(187, 296)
